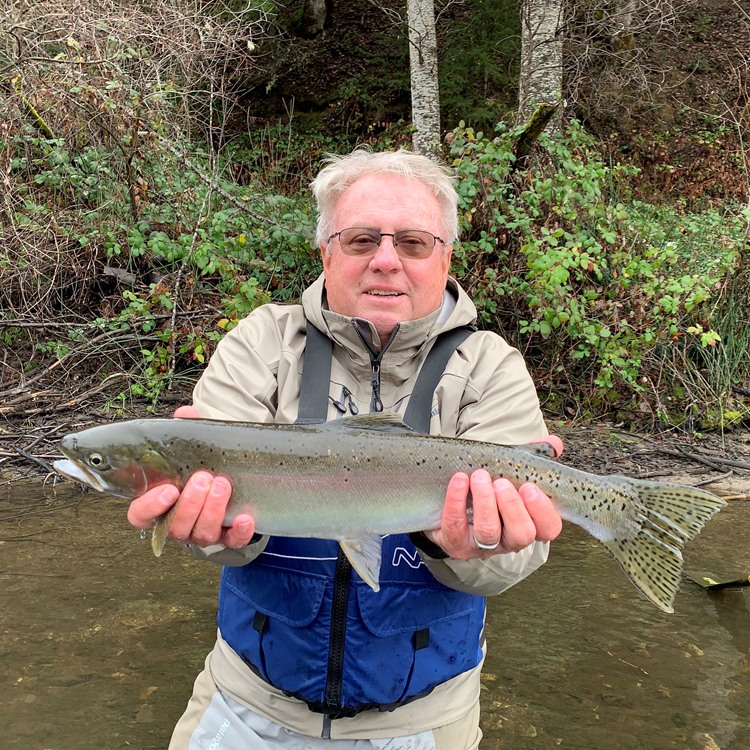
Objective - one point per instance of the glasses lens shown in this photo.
(414, 243)
(409, 243)
(359, 241)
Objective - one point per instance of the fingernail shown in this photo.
(532, 492)
(461, 481)
(220, 485)
(167, 496)
(243, 527)
(202, 481)
(502, 484)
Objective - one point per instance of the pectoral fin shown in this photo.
(160, 531)
(364, 554)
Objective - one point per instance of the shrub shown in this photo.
(600, 292)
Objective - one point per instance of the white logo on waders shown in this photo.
(219, 736)
(412, 559)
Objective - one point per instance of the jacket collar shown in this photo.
(457, 310)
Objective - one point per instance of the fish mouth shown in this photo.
(78, 472)
(73, 470)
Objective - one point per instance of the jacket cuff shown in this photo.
(420, 540)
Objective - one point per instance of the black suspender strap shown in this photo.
(316, 377)
(419, 411)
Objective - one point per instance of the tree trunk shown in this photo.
(313, 18)
(425, 94)
(541, 54)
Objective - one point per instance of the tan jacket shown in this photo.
(485, 393)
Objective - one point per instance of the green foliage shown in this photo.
(479, 54)
(188, 248)
(599, 291)
(623, 306)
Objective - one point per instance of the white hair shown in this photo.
(342, 171)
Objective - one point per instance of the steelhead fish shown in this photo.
(357, 478)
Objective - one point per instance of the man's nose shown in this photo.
(386, 256)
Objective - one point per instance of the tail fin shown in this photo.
(670, 516)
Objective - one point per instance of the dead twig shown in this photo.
(711, 480)
(34, 460)
(715, 462)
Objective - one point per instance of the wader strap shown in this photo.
(316, 377)
(419, 411)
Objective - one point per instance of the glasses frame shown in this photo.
(435, 239)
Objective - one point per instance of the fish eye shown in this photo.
(97, 461)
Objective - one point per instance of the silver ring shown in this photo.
(486, 546)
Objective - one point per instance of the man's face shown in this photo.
(385, 288)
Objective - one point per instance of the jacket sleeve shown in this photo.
(492, 576)
(499, 405)
(240, 383)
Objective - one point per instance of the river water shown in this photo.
(101, 641)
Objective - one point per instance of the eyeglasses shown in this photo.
(409, 243)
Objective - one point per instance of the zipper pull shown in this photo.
(345, 402)
(338, 405)
(377, 404)
(353, 408)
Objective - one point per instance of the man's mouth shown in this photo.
(383, 293)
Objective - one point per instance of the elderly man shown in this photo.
(307, 655)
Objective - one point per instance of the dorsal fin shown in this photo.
(542, 448)
(378, 422)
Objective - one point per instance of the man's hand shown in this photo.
(200, 507)
(505, 519)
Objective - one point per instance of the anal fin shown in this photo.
(364, 554)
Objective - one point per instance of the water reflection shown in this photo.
(101, 642)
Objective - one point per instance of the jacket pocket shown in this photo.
(288, 597)
(414, 639)
(274, 623)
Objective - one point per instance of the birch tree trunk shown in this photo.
(314, 16)
(541, 54)
(425, 94)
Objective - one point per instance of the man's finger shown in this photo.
(208, 525)
(487, 525)
(542, 512)
(518, 527)
(190, 505)
(552, 440)
(144, 510)
(187, 412)
(240, 533)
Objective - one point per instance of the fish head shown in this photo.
(120, 465)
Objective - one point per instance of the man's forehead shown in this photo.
(374, 196)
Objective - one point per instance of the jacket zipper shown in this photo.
(343, 575)
(335, 674)
(376, 404)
